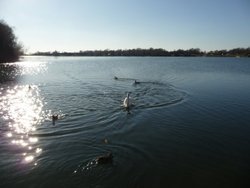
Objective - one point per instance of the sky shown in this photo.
(74, 25)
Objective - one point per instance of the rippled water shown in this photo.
(189, 126)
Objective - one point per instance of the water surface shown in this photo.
(189, 126)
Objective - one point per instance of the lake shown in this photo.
(189, 125)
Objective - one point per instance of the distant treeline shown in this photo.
(237, 52)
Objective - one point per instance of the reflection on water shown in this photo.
(31, 68)
(11, 71)
(8, 72)
(21, 108)
(188, 126)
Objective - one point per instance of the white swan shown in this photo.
(127, 101)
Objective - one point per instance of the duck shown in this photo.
(136, 82)
(104, 159)
(54, 117)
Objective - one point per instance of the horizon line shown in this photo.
(138, 48)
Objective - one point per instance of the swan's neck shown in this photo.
(128, 99)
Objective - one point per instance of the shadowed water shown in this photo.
(189, 125)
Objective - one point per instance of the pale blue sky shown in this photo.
(73, 25)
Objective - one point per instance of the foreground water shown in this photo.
(189, 126)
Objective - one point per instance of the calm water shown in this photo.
(189, 126)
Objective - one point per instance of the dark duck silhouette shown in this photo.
(104, 159)
(136, 82)
(54, 118)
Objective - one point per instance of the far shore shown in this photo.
(151, 52)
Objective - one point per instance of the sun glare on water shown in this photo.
(21, 108)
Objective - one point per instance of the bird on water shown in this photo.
(127, 101)
(104, 159)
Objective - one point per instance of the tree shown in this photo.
(10, 49)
